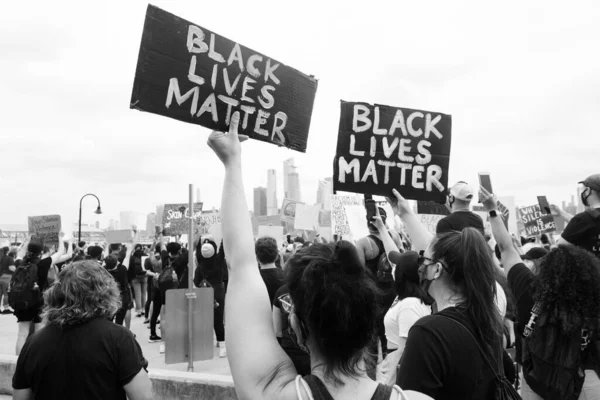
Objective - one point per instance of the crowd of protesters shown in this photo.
(462, 314)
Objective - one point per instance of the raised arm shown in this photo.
(23, 250)
(130, 248)
(386, 238)
(510, 256)
(248, 309)
(61, 249)
(419, 235)
(567, 217)
(69, 254)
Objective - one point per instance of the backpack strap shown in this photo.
(500, 368)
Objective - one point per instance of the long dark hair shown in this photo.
(336, 300)
(568, 286)
(471, 272)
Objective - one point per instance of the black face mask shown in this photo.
(584, 198)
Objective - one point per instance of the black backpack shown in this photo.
(24, 292)
(552, 365)
(384, 266)
(138, 268)
(166, 281)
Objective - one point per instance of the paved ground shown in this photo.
(218, 366)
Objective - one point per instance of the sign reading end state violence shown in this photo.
(381, 148)
(191, 74)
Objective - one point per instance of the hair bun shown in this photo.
(346, 257)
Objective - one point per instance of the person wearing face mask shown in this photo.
(584, 229)
(458, 202)
(455, 353)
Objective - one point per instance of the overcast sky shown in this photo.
(520, 79)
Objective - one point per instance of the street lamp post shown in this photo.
(98, 211)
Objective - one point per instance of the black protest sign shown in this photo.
(381, 148)
(176, 218)
(432, 208)
(191, 74)
(535, 221)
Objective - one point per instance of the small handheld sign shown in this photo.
(381, 148)
(191, 74)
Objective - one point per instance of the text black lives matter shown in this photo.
(193, 75)
(381, 148)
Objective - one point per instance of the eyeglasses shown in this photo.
(421, 260)
(286, 303)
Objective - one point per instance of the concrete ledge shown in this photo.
(167, 385)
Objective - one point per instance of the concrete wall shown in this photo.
(167, 385)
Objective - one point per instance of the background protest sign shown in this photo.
(120, 236)
(45, 229)
(339, 220)
(275, 232)
(536, 223)
(357, 221)
(194, 75)
(307, 217)
(207, 220)
(288, 210)
(430, 221)
(381, 148)
(175, 218)
(432, 208)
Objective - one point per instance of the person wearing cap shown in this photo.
(584, 229)
(411, 304)
(458, 202)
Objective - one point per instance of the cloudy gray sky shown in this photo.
(521, 80)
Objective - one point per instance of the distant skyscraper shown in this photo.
(324, 193)
(97, 224)
(111, 224)
(291, 181)
(198, 200)
(117, 224)
(272, 205)
(159, 214)
(130, 218)
(150, 223)
(260, 201)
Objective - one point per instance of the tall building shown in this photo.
(272, 205)
(159, 214)
(580, 206)
(150, 224)
(97, 224)
(111, 224)
(198, 196)
(130, 218)
(260, 201)
(324, 193)
(291, 181)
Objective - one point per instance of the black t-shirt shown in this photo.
(520, 282)
(459, 220)
(5, 262)
(584, 231)
(274, 279)
(90, 361)
(441, 359)
(120, 275)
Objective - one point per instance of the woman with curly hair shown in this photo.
(566, 288)
(81, 354)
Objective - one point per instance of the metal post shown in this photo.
(79, 234)
(191, 296)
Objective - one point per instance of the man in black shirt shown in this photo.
(266, 253)
(584, 229)
(459, 201)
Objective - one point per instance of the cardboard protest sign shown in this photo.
(275, 232)
(288, 210)
(339, 221)
(430, 221)
(325, 218)
(307, 217)
(357, 221)
(536, 223)
(432, 208)
(207, 220)
(191, 74)
(45, 229)
(120, 236)
(381, 148)
(176, 218)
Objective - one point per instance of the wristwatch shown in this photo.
(493, 213)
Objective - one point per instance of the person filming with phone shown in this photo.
(458, 202)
